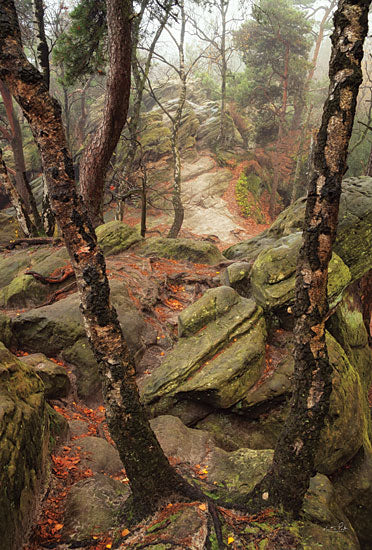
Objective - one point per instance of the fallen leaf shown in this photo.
(203, 506)
(125, 532)
(230, 540)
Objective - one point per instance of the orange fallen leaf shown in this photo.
(58, 526)
(203, 506)
(125, 532)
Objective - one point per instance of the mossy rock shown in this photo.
(24, 436)
(23, 290)
(58, 427)
(347, 424)
(273, 275)
(354, 231)
(201, 252)
(6, 334)
(115, 236)
(88, 381)
(215, 365)
(54, 377)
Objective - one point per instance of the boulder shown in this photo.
(56, 381)
(59, 328)
(354, 230)
(92, 507)
(273, 275)
(98, 455)
(218, 358)
(353, 488)
(201, 252)
(116, 236)
(24, 443)
(23, 290)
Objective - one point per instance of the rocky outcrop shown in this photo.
(201, 252)
(24, 440)
(58, 328)
(116, 236)
(54, 377)
(219, 356)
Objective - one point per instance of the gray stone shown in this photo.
(56, 381)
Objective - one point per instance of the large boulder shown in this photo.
(115, 236)
(354, 230)
(201, 252)
(93, 506)
(218, 357)
(58, 328)
(273, 275)
(20, 290)
(24, 440)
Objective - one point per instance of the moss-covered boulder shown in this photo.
(347, 425)
(218, 358)
(201, 252)
(354, 230)
(23, 290)
(6, 334)
(155, 136)
(115, 236)
(58, 328)
(24, 440)
(273, 275)
(55, 378)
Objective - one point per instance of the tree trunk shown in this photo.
(15, 140)
(223, 137)
(16, 200)
(177, 178)
(96, 157)
(42, 47)
(293, 465)
(152, 479)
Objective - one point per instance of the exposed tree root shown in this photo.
(66, 273)
(30, 241)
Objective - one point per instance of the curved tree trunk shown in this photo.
(293, 465)
(96, 157)
(16, 200)
(152, 479)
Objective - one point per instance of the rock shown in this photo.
(88, 381)
(273, 275)
(78, 428)
(6, 335)
(354, 229)
(180, 249)
(59, 328)
(24, 442)
(236, 473)
(56, 381)
(98, 455)
(348, 421)
(353, 488)
(92, 507)
(58, 425)
(155, 136)
(23, 290)
(115, 236)
(216, 365)
(237, 275)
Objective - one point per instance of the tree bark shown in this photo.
(152, 479)
(223, 7)
(96, 157)
(16, 143)
(21, 212)
(293, 465)
(42, 48)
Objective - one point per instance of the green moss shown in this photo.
(248, 190)
(115, 236)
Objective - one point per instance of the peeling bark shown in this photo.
(42, 48)
(97, 154)
(152, 479)
(293, 464)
